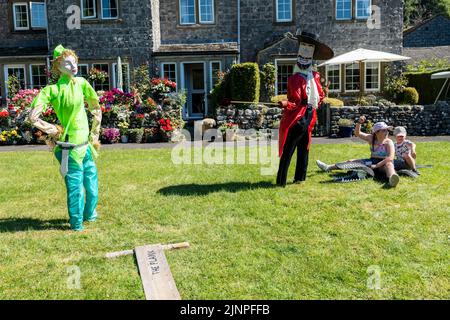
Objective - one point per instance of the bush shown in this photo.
(395, 82)
(268, 79)
(221, 93)
(346, 122)
(279, 98)
(410, 96)
(245, 82)
(427, 89)
(333, 102)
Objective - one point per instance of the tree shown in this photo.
(415, 11)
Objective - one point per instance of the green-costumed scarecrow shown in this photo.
(76, 146)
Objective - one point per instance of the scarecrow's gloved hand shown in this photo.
(95, 143)
(283, 103)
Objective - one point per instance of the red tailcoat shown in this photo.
(297, 103)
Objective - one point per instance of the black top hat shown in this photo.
(322, 51)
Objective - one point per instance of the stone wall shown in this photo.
(249, 117)
(130, 36)
(10, 38)
(435, 32)
(428, 120)
(224, 29)
(260, 29)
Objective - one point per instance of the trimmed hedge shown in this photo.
(410, 96)
(245, 82)
(334, 102)
(221, 92)
(428, 89)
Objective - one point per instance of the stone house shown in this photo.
(188, 41)
(428, 40)
(23, 43)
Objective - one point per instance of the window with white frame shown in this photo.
(20, 15)
(88, 9)
(125, 77)
(284, 10)
(352, 77)
(206, 11)
(110, 9)
(372, 76)
(38, 76)
(83, 71)
(102, 86)
(343, 9)
(284, 70)
(29, 15)
(334, 78)
(18, 71)
(215, 67)
(38, 15)
(363, 10)
(169, 71)
(187, 11)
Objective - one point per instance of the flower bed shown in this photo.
(154, 118)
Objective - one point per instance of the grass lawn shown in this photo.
(249, 239)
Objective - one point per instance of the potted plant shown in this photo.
(136, 135)
(5, 120)
(152, 135)
(10, 136)
(123, 128)
(345, 128)
(166, 129)
(228, 131)
(110, 135)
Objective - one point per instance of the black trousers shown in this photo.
(297, 137)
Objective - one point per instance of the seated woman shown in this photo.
(382, 151)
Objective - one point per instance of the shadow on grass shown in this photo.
(204, 189)
(30, 224)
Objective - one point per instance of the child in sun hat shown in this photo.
(405, 151)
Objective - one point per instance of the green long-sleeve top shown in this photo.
(67, 98)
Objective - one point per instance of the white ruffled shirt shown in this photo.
(311, 86)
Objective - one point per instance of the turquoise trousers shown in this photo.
(82, 190)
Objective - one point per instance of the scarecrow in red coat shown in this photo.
(305, 95)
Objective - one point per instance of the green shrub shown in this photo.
(428, 65)
(333, 102)
(346, 122)
(279, 98)
(245, 82)
(221, 92)
(395, 82)
(428, 89)
(410, 96)
(268, 78)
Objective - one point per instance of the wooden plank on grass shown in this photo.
(155, 273)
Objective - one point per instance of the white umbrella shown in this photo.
(119, 74)
(364, 55)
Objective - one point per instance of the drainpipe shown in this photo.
(239, 29)
(48, 41)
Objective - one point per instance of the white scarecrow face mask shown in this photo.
(305, 55)
(69, 66)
